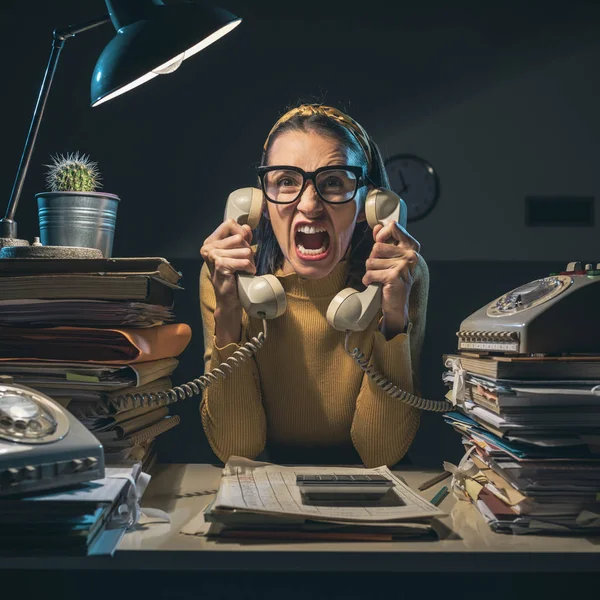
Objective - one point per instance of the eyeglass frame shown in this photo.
(361, 180)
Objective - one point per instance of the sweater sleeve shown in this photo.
(232, 412)
(384, 427)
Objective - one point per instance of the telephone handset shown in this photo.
(351, 310)
(263, 297)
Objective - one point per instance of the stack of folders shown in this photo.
(90, 333)
(87, 519)
(531, 428)
(259, 500)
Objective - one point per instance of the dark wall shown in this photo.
(501, 97)
(444, 80)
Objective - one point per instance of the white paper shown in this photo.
(271, 489)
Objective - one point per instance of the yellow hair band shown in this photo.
(308, 110)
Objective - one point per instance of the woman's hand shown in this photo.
(391, 264)
(226, 251)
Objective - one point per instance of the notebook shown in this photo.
(141, 436)
(556, 367)
(118, 431)
(152, 266)
(97, 286)
(82, 312)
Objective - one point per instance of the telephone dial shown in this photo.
(263, 297)
(552, 315)
(42, 445)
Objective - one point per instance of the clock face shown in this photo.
(415, 181)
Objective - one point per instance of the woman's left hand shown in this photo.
(391, 264)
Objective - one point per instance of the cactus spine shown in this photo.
(72, 173)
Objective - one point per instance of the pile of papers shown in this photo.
(97, 336)
(89, 519)
(262, 501)
(95, 313)
(531, 430)
(100, 397)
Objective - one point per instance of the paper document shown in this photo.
(97, 313)
(265, 488)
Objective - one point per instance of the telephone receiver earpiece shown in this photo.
(351, 310)
(384, 206)
(261, 297)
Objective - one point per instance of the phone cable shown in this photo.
(196, 386)
(389, 388)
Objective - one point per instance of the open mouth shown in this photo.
(312, 241)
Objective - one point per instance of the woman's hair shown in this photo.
(334, 124)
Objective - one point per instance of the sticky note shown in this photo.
(86, 378)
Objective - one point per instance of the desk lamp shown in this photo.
(152, 38)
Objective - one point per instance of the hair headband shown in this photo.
(308, 110)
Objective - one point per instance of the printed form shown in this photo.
(251, 486)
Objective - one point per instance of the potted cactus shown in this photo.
(72, 212)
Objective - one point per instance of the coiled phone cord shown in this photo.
(389, 388)
(196, 386)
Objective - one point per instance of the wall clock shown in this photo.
(416, 182)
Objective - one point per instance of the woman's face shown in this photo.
(313, 235)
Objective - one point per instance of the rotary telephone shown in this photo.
(42, 446)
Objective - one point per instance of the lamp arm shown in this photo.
(73, 30)
(8, 226)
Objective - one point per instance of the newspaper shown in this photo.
(268, 489)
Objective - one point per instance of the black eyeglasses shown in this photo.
(336, 184)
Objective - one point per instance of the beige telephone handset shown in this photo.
(263, 297)
(351, 310)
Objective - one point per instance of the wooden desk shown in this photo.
(183, 490)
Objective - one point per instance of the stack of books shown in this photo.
(258, 500)
(531, 429)
(87, 519)
(95, 335)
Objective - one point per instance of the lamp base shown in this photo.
(55, 252)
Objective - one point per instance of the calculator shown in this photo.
(343, 488)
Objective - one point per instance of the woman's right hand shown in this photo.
(226, 251)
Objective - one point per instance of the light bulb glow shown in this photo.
(171, 65)
(213, 37)
(126, 88)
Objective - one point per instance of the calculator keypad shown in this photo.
(332, 479)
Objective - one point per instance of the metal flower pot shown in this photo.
(81, 219)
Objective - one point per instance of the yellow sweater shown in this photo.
(302, 388)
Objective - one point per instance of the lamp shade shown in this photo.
(153, 39)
